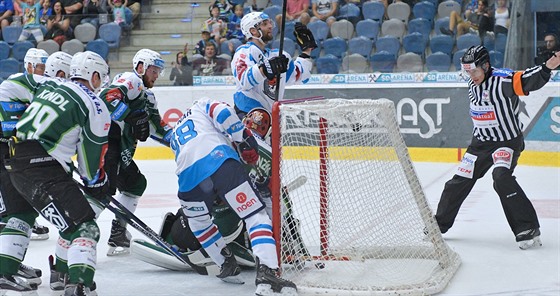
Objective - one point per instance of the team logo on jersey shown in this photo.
(51, 213)
(485, 96)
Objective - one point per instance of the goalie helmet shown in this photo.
(148, 58)
(35, 56)
(58, 61)
(259, 121)
(85, 64)
(252, 20)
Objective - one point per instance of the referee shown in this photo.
(497, 142)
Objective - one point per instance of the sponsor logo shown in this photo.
(195, 209)
(41, 159)
(51, 213)
(241, 197)
(245, 206)
(502, 155)
(113, 94)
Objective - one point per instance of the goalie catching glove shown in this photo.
(248, 149)
(274, 66)
(304, 37)
(139, 121)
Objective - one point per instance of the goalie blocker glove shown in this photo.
(248, 149)
(304, 37)
(139, 120)
(274, 66)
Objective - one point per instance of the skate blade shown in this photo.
(118, 251)
(44, 236)
(531, 243)
(234, 279)
(14, 293)
(266, 290)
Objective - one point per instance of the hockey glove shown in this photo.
(304, 37)
(274, 66)
(139, 121)
(248, 149)
(98, 189)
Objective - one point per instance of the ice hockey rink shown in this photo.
(492, 264)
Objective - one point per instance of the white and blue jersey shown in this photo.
(202, 141)
(253, 89)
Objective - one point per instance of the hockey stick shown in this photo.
(281, 49)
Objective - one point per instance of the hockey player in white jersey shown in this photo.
(204, 141)
(255, 67)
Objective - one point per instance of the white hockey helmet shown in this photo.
(148, 58)
(85, 64)
(253, 20)
(35, 56)
(58, 61)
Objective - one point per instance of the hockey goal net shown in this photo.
(355, 219)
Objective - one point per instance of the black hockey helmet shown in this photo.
(475, 56)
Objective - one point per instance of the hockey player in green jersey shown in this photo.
(62, 120)
(135, 117)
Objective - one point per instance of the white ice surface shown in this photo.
(492, 264)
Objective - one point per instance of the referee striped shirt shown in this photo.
(494, 104)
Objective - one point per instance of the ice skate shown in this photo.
(119, 241)
(39, 232)
(78, 290)
(58, 279)
(30, 274)
(269, 283)
(528, 239)
(13, 284)
(230, 269)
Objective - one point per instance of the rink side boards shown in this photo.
(433, 116)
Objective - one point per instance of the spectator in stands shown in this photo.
(119, 13)
(479, 21)
(234, 24)
(296, 10)
(6, 12)
(551, 45)
(324, 10)
(209, 65)
(469, 6)
(92, 10)
(501, 17)
(45, 12)
(225, 6)
(185, 59)
(73, 10)
(58, 26)
(181, 73)
(199, 48)
(31, 23)
(217, 26)
(135, 7)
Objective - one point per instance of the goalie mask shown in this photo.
(259, 121)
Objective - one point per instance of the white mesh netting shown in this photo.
(357, 224)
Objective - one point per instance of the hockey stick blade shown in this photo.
(296, 183)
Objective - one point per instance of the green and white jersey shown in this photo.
(68, 119)
(15, 94)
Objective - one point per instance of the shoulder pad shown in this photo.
(502, 72)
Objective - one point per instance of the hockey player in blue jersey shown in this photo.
(256, 67)
(209, 168)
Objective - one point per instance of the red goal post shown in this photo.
(356, 224)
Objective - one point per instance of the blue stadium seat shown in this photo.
(488, 42)
(441, 22)
(272, 11)
(315, 53)
(360, 45)
(425, 10)
(467, 40)
(335, 46)
(420, 25)
(328, 64)
(289, 45)
(274, 2)
(415, 42)
(373, 10)
(11, 34)
(389, 44)
(500, 42)
(350, 12)
(4, 50)
(368, 28)
(457, 58)
(496, 59)
(438, 61)
(320, 30)
(100, 47)
(20, 48)
(8, 67)
(442, 43)
(289, 30)
(111, 33)
(383, 62)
